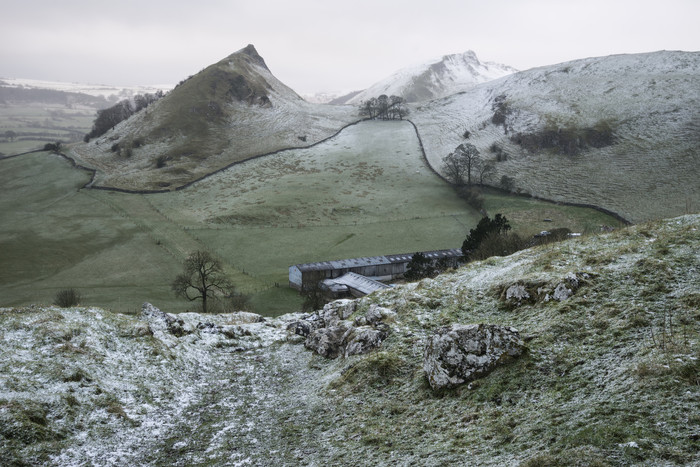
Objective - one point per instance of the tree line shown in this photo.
(108, 118)
(384, 107)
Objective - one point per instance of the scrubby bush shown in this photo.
(53, 147)
(498, 245)
(485, 229)
(419, 267)
(501, 155)
(67, 298)
(161, 161)
(507, 183)
(472, 196)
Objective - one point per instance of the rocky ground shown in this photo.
(599, 365)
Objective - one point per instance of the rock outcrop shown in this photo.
(328, 332)
(528, 293)
(160, 322)
(459, 353)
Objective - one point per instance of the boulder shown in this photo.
(568, 286)
(459, 353)
(337, 310)
(376, 314)
(246, 317)
(562, 292)
(363, 339)
(161, 322)
(329, 341)
(517, 293)
(328, 332)
(302, 327)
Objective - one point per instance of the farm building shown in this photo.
(378, 268)
(352, 284)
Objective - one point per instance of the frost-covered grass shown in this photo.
(201, 126)
(365, 192)
(611, 375)
(650, 101)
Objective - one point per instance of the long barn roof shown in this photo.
(375, 260)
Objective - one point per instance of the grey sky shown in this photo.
(323, 45)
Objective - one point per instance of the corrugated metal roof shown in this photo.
(375, 260)
(344, 263)
(358, 282)
(435, 254)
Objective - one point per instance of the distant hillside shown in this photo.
(610, 375)
(432, 79)
(621, 132)
(108, 91)
(28, 96)
(228, 112)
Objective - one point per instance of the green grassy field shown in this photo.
(365, 192)
(37, 124)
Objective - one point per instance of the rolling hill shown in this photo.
(611, 375)
(432, 79)
(620, 132)
(230, 111)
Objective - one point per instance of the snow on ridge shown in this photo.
(436, 78)
(650, 99)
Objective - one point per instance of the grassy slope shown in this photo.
(346, 198)
(54, 236)
(604, 382)
(213, 119)
(651, 102)
(603, 369)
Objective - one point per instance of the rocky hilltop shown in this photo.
(585, 352)
(230, 111)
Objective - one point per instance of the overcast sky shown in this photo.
(323, 45)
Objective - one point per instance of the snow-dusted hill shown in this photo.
(621, 132)
(434, 78)
(611, 375)
(230, 111)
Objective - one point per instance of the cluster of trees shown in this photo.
(384, 107)
(108, 118)
(491, 237)
(465, 163)
(421, 266)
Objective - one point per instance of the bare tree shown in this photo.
(397, 106)
(383, 106)
(454, 168)
(203, 278)
(463, 161)
(486, 170)
(470, 157)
